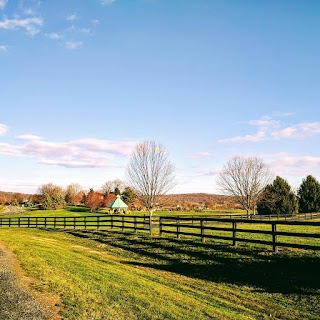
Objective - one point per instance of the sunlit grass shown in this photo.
(108, 275)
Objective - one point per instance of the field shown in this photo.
(114, 275)
(99, 274)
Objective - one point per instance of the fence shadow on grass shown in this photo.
(282, 273)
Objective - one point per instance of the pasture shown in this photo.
(118, 275)
(114, 274)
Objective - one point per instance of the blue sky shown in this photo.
(81, 82)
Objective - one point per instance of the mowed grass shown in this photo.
(110, 275)
(77, 211)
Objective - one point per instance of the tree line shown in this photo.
(150, 174)
(250, 181)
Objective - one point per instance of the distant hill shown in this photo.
(204, 200)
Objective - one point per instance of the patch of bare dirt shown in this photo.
(17, 299)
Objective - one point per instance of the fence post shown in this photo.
(234, 233)
(111, 222)
(135, 223)
(85, 223)
(19, 222)
(74, 223)
(122, 226)
(203, 239)
(28, 222)
(36, 222)
(54, 222)
(178, 227)
(98, 223)
(9, 222)
(1, 222)
(160, 226)
(150, 225)
(274, 237)
(64, 222)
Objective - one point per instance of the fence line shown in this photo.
(97, 222)
(209, 228)
(232, 230)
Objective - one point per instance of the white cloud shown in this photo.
(3, 3)
(3, 129)
(29, 24)
(3, 48)
(54, 35)
(299, 131)
(73, 44)
(264, 122)
(270, 129)
(72, 17)
(259, 136)
(107, 2)
(82, 153)
(284, 160)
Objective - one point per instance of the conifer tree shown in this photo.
(278, 198)
(309, 195)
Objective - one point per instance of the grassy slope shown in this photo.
(124, 276)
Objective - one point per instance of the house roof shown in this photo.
(117, 204)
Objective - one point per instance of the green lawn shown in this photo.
(109, 275)
(83, 211)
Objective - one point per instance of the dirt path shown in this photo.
(15, 302)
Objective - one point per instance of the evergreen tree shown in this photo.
(309, 195)
(128, 196)
(278, 198)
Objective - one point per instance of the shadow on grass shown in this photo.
(286, 272)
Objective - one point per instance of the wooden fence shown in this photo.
(87, 222)
(265, 232)
(229, 229)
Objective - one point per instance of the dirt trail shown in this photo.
(15, 302)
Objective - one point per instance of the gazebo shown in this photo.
(117, 205)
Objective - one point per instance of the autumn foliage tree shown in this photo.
(94, 200)
(53, 196)
(74, 194)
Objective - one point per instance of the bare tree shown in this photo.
(113, 185)
(244, 178)
(150, 173)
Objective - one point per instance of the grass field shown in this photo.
(83, 211)
(109, 275)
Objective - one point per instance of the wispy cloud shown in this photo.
(81, 153)
(270, 129)
(3, 129)
(73, 44)
(299, 131)
(72, 17)
(3, 3)
(107, 2)
(29, 24)
(3, 48)
(259, 136)
(54, 36)
(285, 160)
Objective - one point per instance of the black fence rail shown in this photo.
(245, 230)
(122, 222)
(285, 217)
